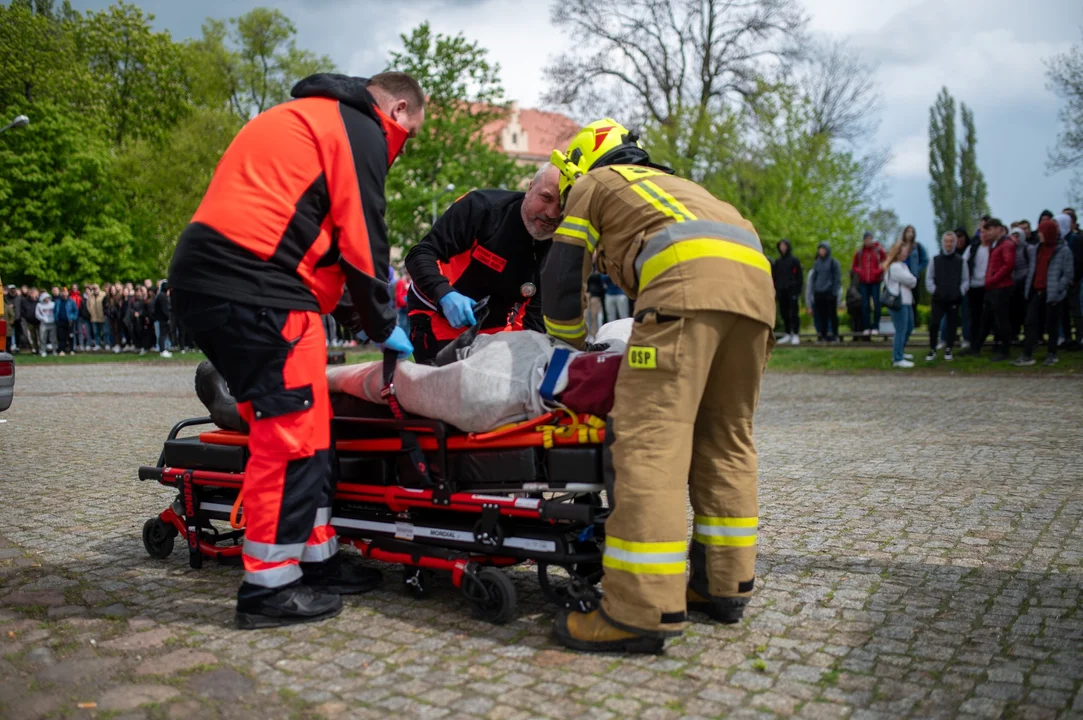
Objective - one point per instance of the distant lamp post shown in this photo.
(19, 121)
(436, 198)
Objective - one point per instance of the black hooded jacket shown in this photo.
(786, 270)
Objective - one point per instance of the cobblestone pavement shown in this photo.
(921, 548)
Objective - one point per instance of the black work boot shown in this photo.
(260, 607)
(214, 394)
(340, 575)
(727, 611)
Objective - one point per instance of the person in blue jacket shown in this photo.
(67, 314)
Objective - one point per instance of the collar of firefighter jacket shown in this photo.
(396, 135)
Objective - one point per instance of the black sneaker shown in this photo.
(948, 355)
(290, 605)
(340, 575)
(1051, 361)
(1023, 361)
(931, 357)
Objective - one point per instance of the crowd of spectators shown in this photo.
(1017, 284)
(117, 317)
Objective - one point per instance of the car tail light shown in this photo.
(7, 368)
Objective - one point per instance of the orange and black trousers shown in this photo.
(274, 361)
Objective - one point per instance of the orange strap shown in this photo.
(233, 521)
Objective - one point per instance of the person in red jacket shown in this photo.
(295, 210)
(996, 312)
(402, 287)
(868, 265)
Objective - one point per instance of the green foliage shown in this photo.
(767, 161)
(464, 95)
(956, 186)
(58, 213)
(884, 225)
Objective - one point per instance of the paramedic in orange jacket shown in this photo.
(295, 210)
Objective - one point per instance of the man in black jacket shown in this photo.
(489, 243)
(947, 280)
(789, 278)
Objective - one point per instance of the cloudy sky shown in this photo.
(990, 54)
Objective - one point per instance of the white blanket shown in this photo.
(495, 381)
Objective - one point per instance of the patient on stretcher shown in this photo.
(495, 380)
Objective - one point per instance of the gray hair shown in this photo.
(950, 234)
(541, 172)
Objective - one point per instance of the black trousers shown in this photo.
(789, 308)
(995, 319)
(949, 311)
(975, 298)
(1018, 312)
(826, 310)
(63, 337)
(1041, 315)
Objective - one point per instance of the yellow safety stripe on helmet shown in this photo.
(580, 228)
(645, 558)
(662, 201)
(725, 531)
(694, 250)
(566, 332)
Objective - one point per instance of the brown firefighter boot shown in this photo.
(591, 632)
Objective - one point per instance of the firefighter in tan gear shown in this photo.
(687, 389)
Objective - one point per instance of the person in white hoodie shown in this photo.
(45, 312)
(901, 282)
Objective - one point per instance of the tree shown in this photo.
(956, 184)
(672, 64)
(1065, 76)
(59, 215)
(884, 225)
(39, 59)
(267, 62)
(139, 73)
(464, 96)
(162, 183)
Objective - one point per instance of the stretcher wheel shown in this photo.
(417, 581)
(572, 587)
(492, 594)
(158, 538)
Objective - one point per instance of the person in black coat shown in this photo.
(788, 278)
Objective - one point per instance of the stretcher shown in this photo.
(418, 493)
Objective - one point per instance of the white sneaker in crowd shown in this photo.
(784, 340)
(142, 351)
(875, 331)
(867, 332)
(941, 345)
(964, 345)
(116, 348)
(166, 354)
(903, 364)
(907, 356)
(796, 339)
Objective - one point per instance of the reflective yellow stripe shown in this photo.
(580, 228)
(694, 250)
(662, 201)
(678, 546)
(725, 531)
(645, 558)
(725, 540)
(675, 568)
(569, 332)
(736, 522)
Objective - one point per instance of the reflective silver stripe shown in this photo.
(726, 531)
(274, 577)
(422, 298)
(644, 557)
(268, 552)
(321, 552)
(323, 517)
(676, 232)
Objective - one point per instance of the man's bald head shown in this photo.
(541, 206)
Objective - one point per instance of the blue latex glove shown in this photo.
(458, 309)
(398, 342)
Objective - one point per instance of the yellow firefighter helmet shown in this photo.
(590, 145)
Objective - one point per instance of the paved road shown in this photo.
(921, 554)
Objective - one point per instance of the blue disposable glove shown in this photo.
(458, 309)
(398, 342)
